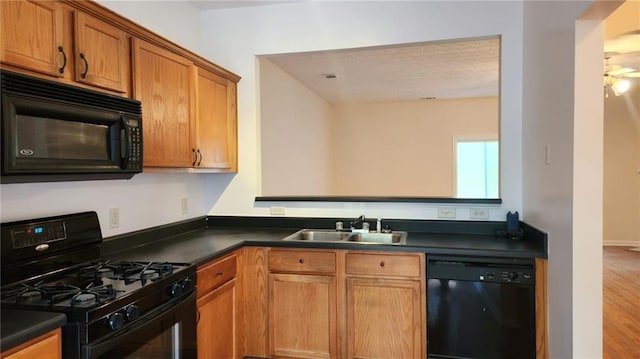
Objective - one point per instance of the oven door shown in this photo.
(167, 332)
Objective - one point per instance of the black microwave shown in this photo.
(57, 132)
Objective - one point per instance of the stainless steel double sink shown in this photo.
(333, 236)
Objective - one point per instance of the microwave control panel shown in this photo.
(135, 139)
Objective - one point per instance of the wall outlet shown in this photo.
(184, 206)
(114, 218)
(479, 213)
(276, 211)
(446, 213)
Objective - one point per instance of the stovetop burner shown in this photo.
(127, 271)
(59, 294)
(88, 286)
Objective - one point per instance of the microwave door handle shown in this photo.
(127, 141)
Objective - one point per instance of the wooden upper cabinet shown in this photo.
(32, 36)
(102, 54)
(163, 83)
(215, 139)
(54, 39)
(189, 104)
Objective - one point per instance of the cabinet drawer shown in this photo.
(302, 261)
(215, 274)
(399, 265)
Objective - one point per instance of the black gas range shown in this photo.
(114, 309)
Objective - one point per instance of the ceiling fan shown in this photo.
(618, 68)
(621, 62)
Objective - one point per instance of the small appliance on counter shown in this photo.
(114, 309)
(57, 132)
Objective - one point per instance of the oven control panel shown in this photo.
(38, 234)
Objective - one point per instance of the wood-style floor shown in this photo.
(621, 303)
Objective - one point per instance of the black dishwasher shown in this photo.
(480, 308)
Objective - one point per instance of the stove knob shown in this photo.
(175, 289)
(132, 312)
(186, 285)
(115, 321)
(513, 276)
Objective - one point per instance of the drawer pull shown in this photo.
(218, 274)
(301, 261)
(64, 59)
(382, 264)
(86, 66)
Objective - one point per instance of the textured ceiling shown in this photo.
(442, 70)
(455, 69)
(223, 4)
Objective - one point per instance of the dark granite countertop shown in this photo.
(201, 245)
(20, 326)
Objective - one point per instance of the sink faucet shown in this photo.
(358, 221)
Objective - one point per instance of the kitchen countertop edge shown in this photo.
(27, 325)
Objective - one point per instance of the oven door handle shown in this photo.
(92, 351)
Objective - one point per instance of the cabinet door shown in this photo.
(384, 318)
(216, 327)
(215, 129)
(102, 54)
(46, 346)
(302, 316)
(32, 35)
(163, 82)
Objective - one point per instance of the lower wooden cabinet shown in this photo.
(302, 316)
(217, 303)
(46, 346)
(384, 318)
(287, 297)
(302, 303)
(346, 304)
(386, 305)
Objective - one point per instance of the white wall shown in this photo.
(175, 20)
(295, 135)
(622, 168)
(565, 196)
(148, 199)
(234, 37)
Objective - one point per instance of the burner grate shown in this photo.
(59, 294)
(128, 271)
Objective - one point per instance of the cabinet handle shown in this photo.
(218, 274)
(301, 261)
(86, 66)
(195, 157)
(200, 156)
(64, 59)
(382, 264)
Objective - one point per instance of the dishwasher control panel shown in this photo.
(481, 271)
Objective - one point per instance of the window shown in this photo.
(477, 169)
